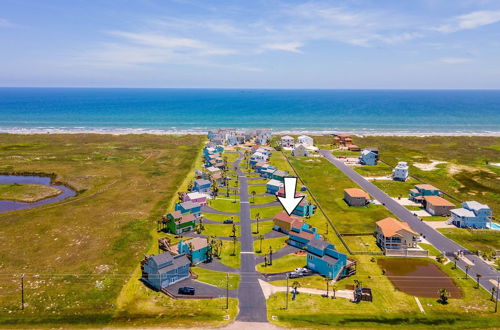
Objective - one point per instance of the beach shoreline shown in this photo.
(203, 131)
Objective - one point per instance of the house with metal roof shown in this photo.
(197, 249)
(368, 157)
(280, 175)
(325, 260)
(418, 193)
(189, 207)
(472, 214)
(164, 269)
(272, 186)
(202, 185)
(301, 234)
(177, 223)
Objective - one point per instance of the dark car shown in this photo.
(228, 221)
(186, 290)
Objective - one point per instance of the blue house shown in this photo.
(196, 248)
(273, 186)
(472, 215)
(368, 157)
(304, 209)
(163, 269)
(189, 207)
(421, 190)
(232, 140)
(301, 234)
(267, 173)
(202, 185)
(325, 260)
(280, 175)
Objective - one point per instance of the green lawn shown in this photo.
(264, 227)
(227, 257)
(313, 282)
(484, 240)
(275, 243)
(29, 193)
(258, 190)
(218, 279)
(220, 230)
(265, 212)
(283, 264)
(225, 204)
(221, 217)
(380, 169)
(429, 247)
(396, 188)
(362, 243)
(262, 199)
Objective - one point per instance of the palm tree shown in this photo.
(455, 259)
(191, 248)
(478, 276)
(443, 296)
(334, 289)
(233, 230)
(327, 281)
(270, 255)
(467, 267)
(493, 290)
(257, 218)
(261, 238)
(253, 195)
(235, 239)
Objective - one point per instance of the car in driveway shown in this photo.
(294, 274)
(186, 290)
(228, 222)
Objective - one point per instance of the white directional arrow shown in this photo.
(290, 202)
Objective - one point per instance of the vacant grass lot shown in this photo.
(327, 184)
(274, 243)
(390, 308)
(218, 279)
(265, 212)
(283, 264)
(29, 193)
(484, 240)
(77, 254)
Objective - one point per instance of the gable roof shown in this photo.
(281, 173)
(461, 212)
(283, 216)
(390, 227)
(438, 201)
(178, 261)
(198, 243)
(274, 182)
(202, 182)
(189, 205)
(475, 206)
(356, 192)
(162, 258)
(319, 244)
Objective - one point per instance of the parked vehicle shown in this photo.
(301, 270)
(187, 290)
(228, 221)
(294, 274)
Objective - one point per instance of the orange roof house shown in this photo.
(284, 222)
(438, 206)
(394, 234)
(356, 197)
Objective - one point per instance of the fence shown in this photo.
(406, 253)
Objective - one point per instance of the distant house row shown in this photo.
(301, 148)
(226, 136)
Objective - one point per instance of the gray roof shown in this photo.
(329, 259)
(178, 261)
(162, 258)
(189, 205)
(463, 213)
(281, 173)
(319, 243)
(473, 205)
(202, 182)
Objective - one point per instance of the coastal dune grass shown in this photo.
(78, 254)
(28, 193)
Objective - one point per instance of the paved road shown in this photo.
(442, 243)
(252, 302)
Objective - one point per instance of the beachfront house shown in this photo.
(368, 157)
(283, 222)
(356, 197)
(400, 172)
(287, 141)
(300, 151)
(189, 207)
(325, 260)
(262, 139)
(438, 206)
(472, 215)
(394, 234)
(164, 269)
(421, 190)
(196, 249)
(195, 197)
(177, 223)
(343, 139)
(202, 185)
(301, 234)
(280, 175)
(305, 140)
(273, 186)
(353, 147)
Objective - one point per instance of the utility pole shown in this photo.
(22, 292)
(496, 300)
(286, 307)
(227, 291)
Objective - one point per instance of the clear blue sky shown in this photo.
(251, 43)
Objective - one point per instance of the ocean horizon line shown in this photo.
(253, 88)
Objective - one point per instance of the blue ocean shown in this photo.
(197, 110)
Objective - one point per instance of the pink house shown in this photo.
(195, 197)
